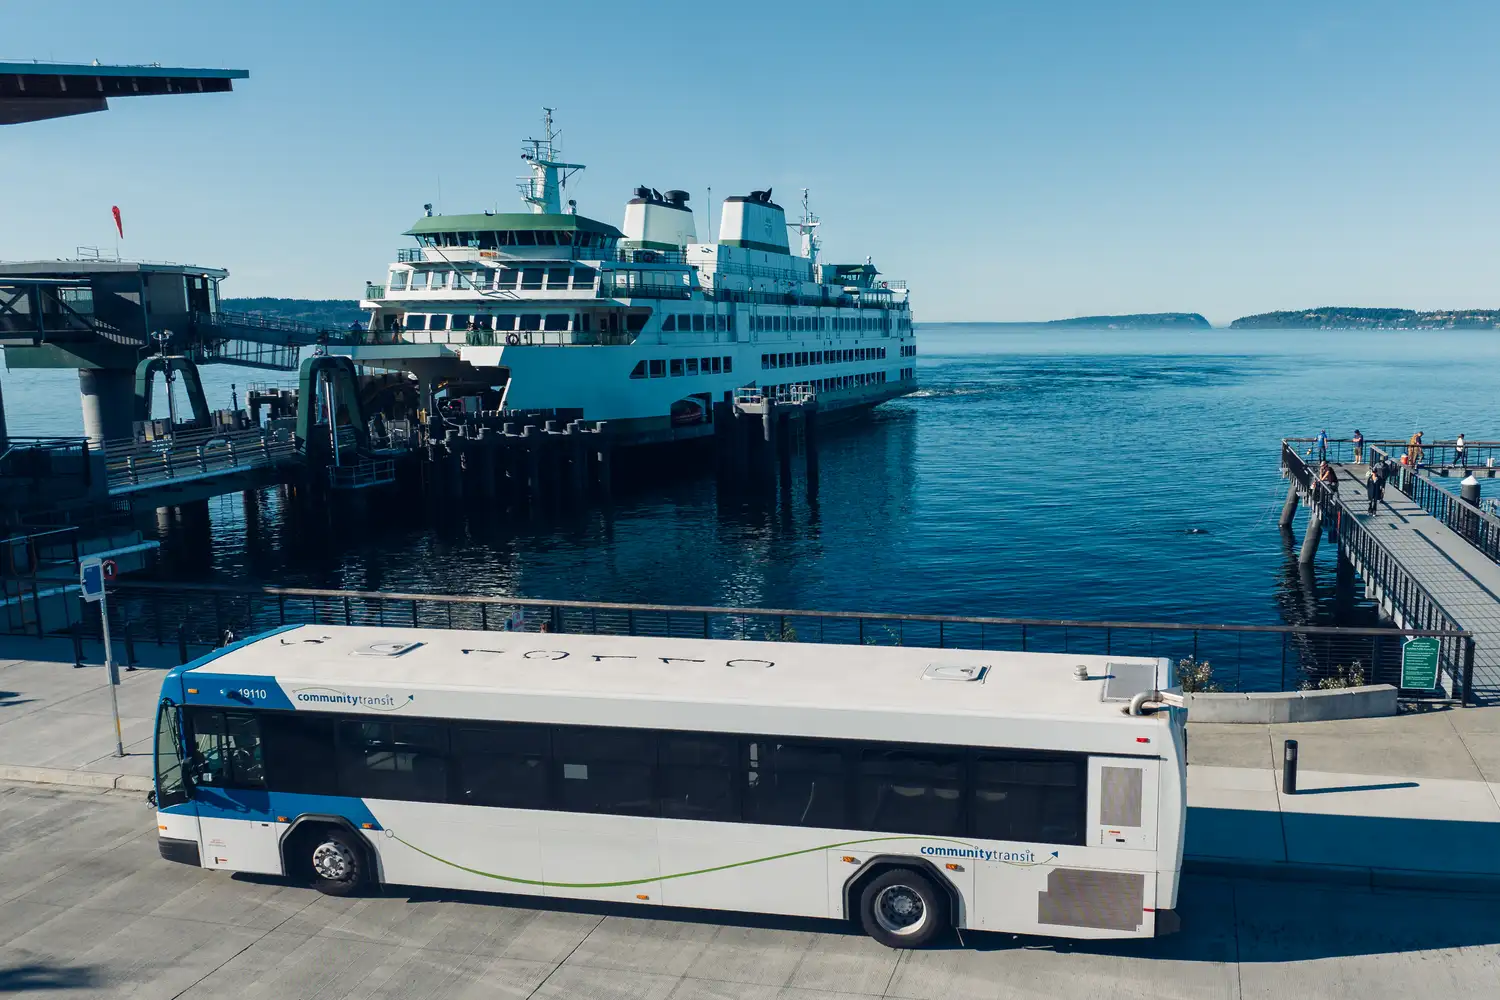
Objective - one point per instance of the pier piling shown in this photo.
(1289, 509)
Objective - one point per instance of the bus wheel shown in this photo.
(338, 865)
(902, 909)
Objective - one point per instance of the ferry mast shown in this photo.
(549, 176)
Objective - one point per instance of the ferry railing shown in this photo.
(1380, 567)
(193, 454)
(1243, 657)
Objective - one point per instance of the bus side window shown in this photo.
(795, 784)
(299, 752)
(911, 790)
(393, 760)
(503, 765)
(226, 749)
(1025, 798)
(604, 770)
(695, 772)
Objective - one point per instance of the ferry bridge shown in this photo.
(1429, 557)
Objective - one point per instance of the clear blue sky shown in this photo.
(1013, 161)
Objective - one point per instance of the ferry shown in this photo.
(645, 327)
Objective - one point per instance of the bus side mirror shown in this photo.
(151, 798)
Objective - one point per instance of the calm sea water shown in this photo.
(1038, 472)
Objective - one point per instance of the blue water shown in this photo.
(1037, 473)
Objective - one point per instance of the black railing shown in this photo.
(1444, 455)
(1407, 595)
(1477, 527)
(1243, 657)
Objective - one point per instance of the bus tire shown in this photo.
(901, 908)
(336, 861)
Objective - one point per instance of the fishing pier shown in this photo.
(1429, 557)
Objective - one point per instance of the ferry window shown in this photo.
(531, 277)
(503, 765)
(669, 324)
(911, 790)
(658, 368)
(604, 770)
(716, 365)
(692, 366)
(639, 371)
(695, 773)
(546, 238)
(486, 241)
(437, 321)
(226, 749)
(299, 752)
(398, 279)
(794, 784)
(416, 321)
(765, 361)
(635, 322)
(484, 322)
(505, 321)
(586, 320)
(419, 279)
(557, 277)
(1024, 798)
(555, 321)
(684, 322)
(531, 321)
(676, 366)
(583, 277)
(508, 278)
(393, 760)
(525, 238)
(728, 363)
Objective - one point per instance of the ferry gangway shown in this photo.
(1387, 575)
(202, 454)
(1243, 657)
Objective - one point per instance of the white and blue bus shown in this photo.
(906, 789)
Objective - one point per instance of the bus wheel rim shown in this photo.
(332, 861)
(899, 910)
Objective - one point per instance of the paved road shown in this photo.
(87, 909)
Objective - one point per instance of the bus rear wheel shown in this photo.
(337, 863)
(901, 908)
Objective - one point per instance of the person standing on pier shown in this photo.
(1460, 449)
(1359, 446)
(1321, 443)
(1374, 485)
(1414, 451)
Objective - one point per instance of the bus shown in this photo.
(908, 790)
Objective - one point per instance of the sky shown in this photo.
(1012, 161)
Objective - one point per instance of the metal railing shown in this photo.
(362, 474)
(1437, 454)
(1407, 595)
(196, 454)
(1479, 528)
(35, 568)
(1243, 657)
(374, 291)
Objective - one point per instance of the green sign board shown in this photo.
(1419, 664)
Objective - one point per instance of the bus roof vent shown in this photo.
(1126, 680)
(386, 648)
(954, 672)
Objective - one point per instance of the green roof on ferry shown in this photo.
(486, 222)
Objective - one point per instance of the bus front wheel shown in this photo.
(901, 908)
(337, 863)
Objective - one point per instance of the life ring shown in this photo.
(512, 339)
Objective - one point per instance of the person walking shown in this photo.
(1460, 452)
(1321, 444)
(1359, 447)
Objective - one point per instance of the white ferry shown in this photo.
(643, 326)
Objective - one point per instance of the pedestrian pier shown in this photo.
(1428, 557)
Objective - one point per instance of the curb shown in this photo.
(1480, 883)
(76, 779)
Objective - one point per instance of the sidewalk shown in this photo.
(1412, 800)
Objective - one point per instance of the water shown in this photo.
(1038, 473)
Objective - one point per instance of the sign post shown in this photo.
(91, 576)
(1419, 663)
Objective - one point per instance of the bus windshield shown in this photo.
(169, 785)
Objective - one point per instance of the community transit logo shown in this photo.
(1024, 858)
(318, 697)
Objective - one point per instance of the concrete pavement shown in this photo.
(87, 909)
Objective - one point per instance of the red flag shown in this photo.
(115, 211)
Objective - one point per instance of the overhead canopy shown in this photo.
(486, 222)
(34, 91)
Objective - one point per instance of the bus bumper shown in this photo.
(1167, 922)
(184, 852)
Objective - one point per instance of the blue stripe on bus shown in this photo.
(268, 807)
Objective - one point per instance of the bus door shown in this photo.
(176, 817)
(226, 770)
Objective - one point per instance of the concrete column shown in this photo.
(1312, 536)
(108, 396)
(4, 434)
(1289, 509)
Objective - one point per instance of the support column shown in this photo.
(1313, 534)
(1289, 509)
(108, 397)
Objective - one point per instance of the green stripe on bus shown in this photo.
(663, 878)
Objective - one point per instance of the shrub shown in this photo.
(1195, 676)
(1342, 677)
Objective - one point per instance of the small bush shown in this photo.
(787, 634)
(1342, 677)
(1195, 676)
